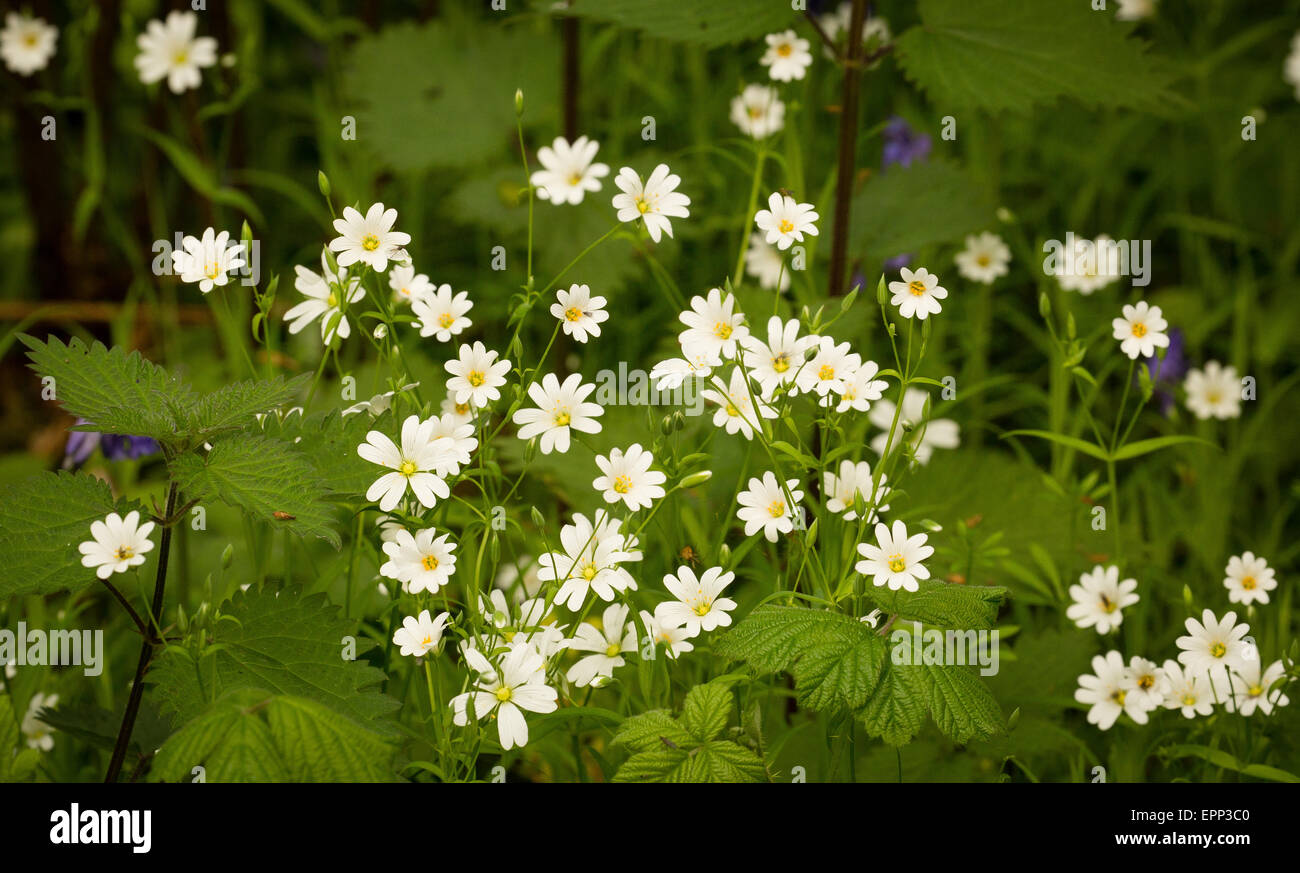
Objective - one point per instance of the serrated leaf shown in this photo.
(114, 391)
(715, 23)
(236, 406)
(42, 522)
(1017, 54)
(286, 644)
(897, 710)
(329, 443)
(262, 477)
(960, 704)
(943, 604)
(905, 209)
(705, 710)
(649, 730)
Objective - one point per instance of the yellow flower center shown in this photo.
(1218, 650)
(622, 484)
(1145, 682)
(785, 226)
(702, 608)
(462, 409)
(917, 287)
(776, 508)
(642, 206)
(982, 260)
(426, 642)
(213, 271)
(1139, 329)
(732, 410)
(781, 363)
(475, 378)
(408, 468)
(125, 553)
(722, 330)
(29, 40)
(1214, 397)
(785, 49)
(826, 372)
(755, 112)
(1248, 582)
(1108, 605)
(575, 178)
(573, 313)
(611, 651)
(1189, 700)
(562, 419)
(503, 693)
(370, 242)
(180, 57)
(1118, 696)
(1255, 690)
(429, 562)
(897, 564)
(589, 572)
(446, 320)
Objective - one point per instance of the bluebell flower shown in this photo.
(904, 145)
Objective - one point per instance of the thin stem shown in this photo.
(847, 149)
(135, 616)
(146, 650)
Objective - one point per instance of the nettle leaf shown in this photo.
(263, 477)
(252, 736)
(960, 704)
(1016, 54)
(688, 749)
(328, 441)
(716, 23)
(235, 406)
(943, 604)
(897, 710)
(42, 522)
(114, 391)
(905, 209)
(281, 643)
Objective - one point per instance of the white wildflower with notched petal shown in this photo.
(1248, 579)
(1140, 330)
(829, 370)
(758, 111)
(117, 544)
(26, 43)
(170, 50)
(421, 562)
(1188, 690)
(324, 293)
(589, 560)
(368, 239)
(1108, 692)
(862, 388)
(764, 506)
(1214, 392)
(787, 57)
(697, 606)
(654, 201)
(579, 313)
(441, 313)
(1252, 688)
(714, 327)
(1214, 644)
(786, 220)
(918, 295)
(664, 631)
(476, 375)
(561, 408)
(925, 436)
(506, 691)
(408, 286)
(736, 412)
(984, 259)
(606, 646)
(207, 260)
(413, 464)
(568, 170)
(627, 476)
(852, 481)
(776, 363)
(1100, 598)
(420, 635)
(896, 559)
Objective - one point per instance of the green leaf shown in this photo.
(905, 209)
(1144, 447)
(251, 736)
(897, 710)
(328, 441)
(42, 522)
(17, 762)
(262, 477)
(280, 642)
(943, 604)
(199, 176)
(706, 710)
(715, 23)
(1227, 761)
(1062, 439)
(960, 704)
(234, 406)
(1018, 54)
(114, 391)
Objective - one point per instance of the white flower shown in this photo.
(173, 52)
(896, 559)
(561, 408)
(1149, 683)
(590, 560)
(1099, 599)
(39, 734)
(1134, 10)
(861, 388)
(837, 22)
(407, 285)
(568, 172)
(379, 403)
(735, 410)
(1140, 331)
(675, 638)
(413, 464)
(984, 259)
(777, 362)
(1251, 689)
(787, 56)
(117, 545)
(941, 433)
(1188, 690)
(855, 479)
(441, 314)
(1109, 692)
(420, 562)
(1248, 579)
(628, 477)
(829, 369)
(607, 645)
(1091, 265)
(419, 636)
(26, 43)
(461, 413)
(519, 685)
(655, 202)
(697, 606)
(785, 220)
(460, 442)
(713, 327)
(476, 375)
(765, 263)
(758, 111)
(207, 260)
(763, 506)
(670, 374)
(368, 239)
(1212, 643)
(1214, 392)
(579, 313)
(918, 295)
(324, 292)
